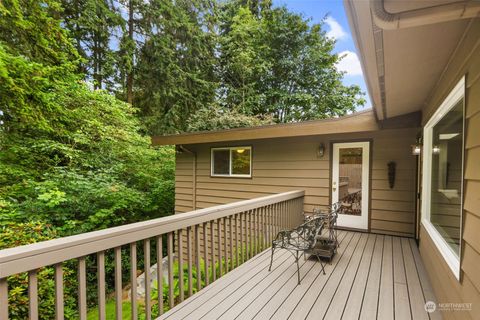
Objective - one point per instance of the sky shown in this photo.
(336, 25)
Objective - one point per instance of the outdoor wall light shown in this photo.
(321, 150)
(436, 149)
(416, 149)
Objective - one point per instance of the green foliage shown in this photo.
(31, 28)
(91, 24)
(174, 60)
(218, 118)
(72, 154)
(13, 235)
(175, 71)
(87, 163)
(73, 159)
(110, 311)
(275, 62)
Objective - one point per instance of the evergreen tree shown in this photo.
(94, 25)
(282, 66)
(175, 71)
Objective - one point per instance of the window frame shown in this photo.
(448, 254)
(230, 174)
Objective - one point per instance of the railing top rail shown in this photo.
(36, 255)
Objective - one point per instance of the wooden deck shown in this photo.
(371, 277)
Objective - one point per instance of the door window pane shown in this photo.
(350, 180)
(446, 176)
(221, 161)
(241, 161)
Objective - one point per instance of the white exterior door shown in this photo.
(350, 183)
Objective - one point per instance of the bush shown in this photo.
(24, 233)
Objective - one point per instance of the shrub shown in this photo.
(24, 233)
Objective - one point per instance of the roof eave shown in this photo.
(358, 122)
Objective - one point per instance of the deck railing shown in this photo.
(223, 236)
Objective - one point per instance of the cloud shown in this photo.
(336, 31)
(349, 63)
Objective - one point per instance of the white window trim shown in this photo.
(230, 162)
(450, 257)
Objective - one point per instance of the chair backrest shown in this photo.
(311, 229)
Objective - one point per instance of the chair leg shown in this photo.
(298, 268)
(321, 264)
(271, 259)
(336, 241)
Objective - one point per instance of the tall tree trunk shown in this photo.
(130, 71)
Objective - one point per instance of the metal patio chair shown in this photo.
(301, 240)
(330, 216)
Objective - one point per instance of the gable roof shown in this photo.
(356, 122)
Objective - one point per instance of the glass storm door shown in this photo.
(350, 177)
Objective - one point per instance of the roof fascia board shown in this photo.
(364, 40)
(359, 122)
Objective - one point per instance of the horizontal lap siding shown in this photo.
(183, 182)
(393, 209)
(281, 165)
(447, 287)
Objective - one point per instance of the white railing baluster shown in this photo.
(171, 301)
(133, 280)
(82, 288)
(257, 233)
(212, 250)
(101, 285)
(147, 264)
(230, 227)
(251, 234)
(242, 256)
(264, 227)
(160, 274)
(205, 254)
(118, 282)
(180, 265)
(3, 298)
(189, 261)
(254, 232)
(197, 260)
(247, 235)
(225, 247)
(235, 217)
(219, 245)
(32, 295)
(58, 275)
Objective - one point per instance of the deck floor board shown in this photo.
(371, 276)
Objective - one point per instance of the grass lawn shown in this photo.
(110, 310)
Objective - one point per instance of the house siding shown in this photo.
(465, 61)
(285, 164)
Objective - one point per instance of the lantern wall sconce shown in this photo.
(417, 147)
(321, 150)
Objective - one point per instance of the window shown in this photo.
(232, 162)
(443, 177)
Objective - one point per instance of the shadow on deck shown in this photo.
(371, 276)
